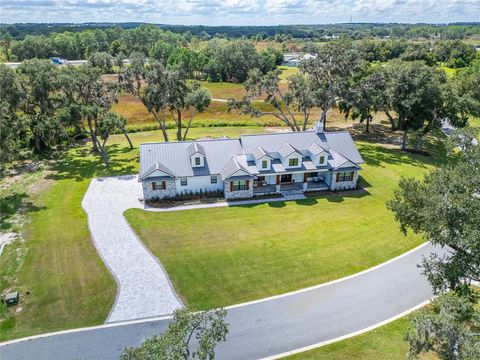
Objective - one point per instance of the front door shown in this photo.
(286, 178)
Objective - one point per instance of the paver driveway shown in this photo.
(144, 289)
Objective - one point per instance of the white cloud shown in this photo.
(238, 12)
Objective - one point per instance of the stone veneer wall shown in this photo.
(344, 185)
(150, 194)
(241, 194)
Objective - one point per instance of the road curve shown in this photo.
(267, 327)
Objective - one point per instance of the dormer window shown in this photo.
(321, 160)
(293, 162)
(197, 154)
(264, 164)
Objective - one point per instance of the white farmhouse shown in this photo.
(252, 165)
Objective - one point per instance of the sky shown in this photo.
(240, 12)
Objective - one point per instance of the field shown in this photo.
(250, 252)
(217, 115)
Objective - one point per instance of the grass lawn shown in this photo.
(217, 115)
(383, 343)
(223, 256)
(286, 72)
(57, 263)
(450, 72)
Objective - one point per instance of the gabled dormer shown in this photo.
(197, 154)
(318, 155)
(290, 157)
(263, 160)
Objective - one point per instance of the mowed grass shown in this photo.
(218, 257)
(68, 283)
(384, 343)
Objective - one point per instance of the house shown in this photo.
(295, 59)
(252, 165)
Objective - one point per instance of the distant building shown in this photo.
(295, 59)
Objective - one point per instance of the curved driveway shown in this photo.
(143, 286)
(268, 327)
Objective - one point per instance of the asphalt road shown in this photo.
(268, 327)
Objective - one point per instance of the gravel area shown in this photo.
(144, 289)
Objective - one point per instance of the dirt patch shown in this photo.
(41, 184)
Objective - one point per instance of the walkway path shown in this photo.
(268, 327)
(144, 288)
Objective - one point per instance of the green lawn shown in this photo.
(223, 256)
(383, 343)
(57, 263)
(287, 71)
(450, 72)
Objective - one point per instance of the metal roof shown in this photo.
(235, 167)
(340, 141)
(194, 148)
(287, 149)
(175, 156)
(226, 156)
(259, 153)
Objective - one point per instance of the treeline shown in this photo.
(44, 107)
(217, 59)
(352, 31)
(415, 97)
(452, 53)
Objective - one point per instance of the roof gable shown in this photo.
(316, 149)
(195, 148)
(157, 170)
(287, 150)
(259, 153)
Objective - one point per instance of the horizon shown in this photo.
(109, 23)
(241, 12)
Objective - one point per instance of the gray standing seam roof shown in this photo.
(222, 156)
(340, 141)
(194, 148)
(176, 158)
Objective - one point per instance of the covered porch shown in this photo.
(288, 183)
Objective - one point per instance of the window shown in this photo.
(213, 179)
(264, 164)
(159, 185)
(183, 182)
(293, 162)
(321, 159)
(345, 176)
(197, 162)
(238, 185)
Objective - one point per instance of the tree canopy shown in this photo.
(190, 335)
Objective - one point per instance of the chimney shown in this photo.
(318, 127)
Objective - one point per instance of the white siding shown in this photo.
(197, 183)
(259, 163)
(297, 177)
(292, 156)
(202, 160)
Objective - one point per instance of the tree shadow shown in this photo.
(11, 205)
(379, 156)
(81, 163)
